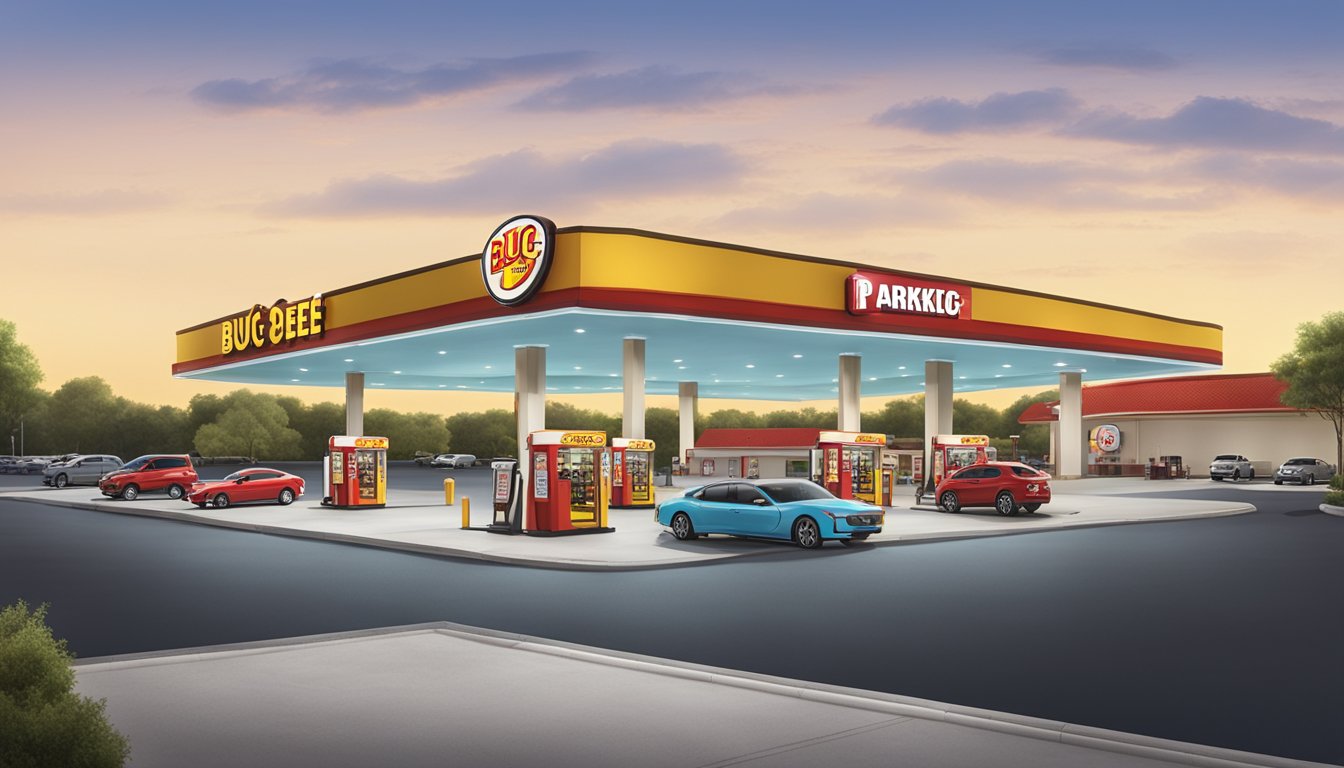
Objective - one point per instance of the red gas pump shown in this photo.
(631, 472)
(570, 483)
(355, 472)
(851, 463)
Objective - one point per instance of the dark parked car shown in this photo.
(155, 472)
(80, 470)
(1007, 486)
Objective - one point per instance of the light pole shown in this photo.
(1014, 438)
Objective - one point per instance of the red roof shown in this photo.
(1224, 393)
(771, 437)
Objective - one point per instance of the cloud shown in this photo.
(1127, 59)
(105, 202)
(1214, 123)
(1294, 178)
(650, 87)
(1000, 111)
(828, 212)
(526, 180)
(1059, 185)
(352, 85)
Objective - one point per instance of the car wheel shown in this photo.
(286, 496)
(1311, 480)
(62, 480)
(1031, 508)
(1005, 504)
(221, 500)
(176, 491)
(130, 492)
(681, 527)
(202, 504)
(1217, 478)
(948, 502)
(1236, 475)
(806, 534)
(1278, 482)
(1252, 475)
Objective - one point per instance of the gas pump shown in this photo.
(354, 473)
(508, 497)
(948, 453)
(850, 464)
(631, 472)
(570, 482)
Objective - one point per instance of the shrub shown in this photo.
(43, 722)
(1337, 482)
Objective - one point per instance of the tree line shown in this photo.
(84, 415)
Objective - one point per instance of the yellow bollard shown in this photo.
(449, 486)
(466, 512)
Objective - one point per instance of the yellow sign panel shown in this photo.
(871, 438)
(584, 439)
(636, 444)
(262, 327)
(371, 442)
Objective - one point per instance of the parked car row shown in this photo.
(27, 465)
(174, 475)
(1305, 470)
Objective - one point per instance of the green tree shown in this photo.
(566, 416)
(1314, 371)
(1034, 438)
(315, 424)
(81, 415)
(807, 417)
(252, 425)
(899, 418)
(975, 419)
(729, 418)
(42, 720)
(663, 427)
(19, 377)
(485, 435)
(408, 432)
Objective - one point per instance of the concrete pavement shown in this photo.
(419, 521)
(446, 694)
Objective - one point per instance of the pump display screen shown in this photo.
(637, 472)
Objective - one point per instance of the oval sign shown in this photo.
(1107, 438)
(517, 257)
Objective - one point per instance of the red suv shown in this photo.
(156, 472)
(1007, 486)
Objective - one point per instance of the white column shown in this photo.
(354, 403)
(688, 392)
(529, 398)
(632, 373)
(937, 399)
(847, 415)
(1070, 461)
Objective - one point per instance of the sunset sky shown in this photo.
(168, 163)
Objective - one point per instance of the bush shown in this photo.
(1337, 482)
(43, 722)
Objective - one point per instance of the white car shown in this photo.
(453, 460)
(1231, 465)
(1304, 470)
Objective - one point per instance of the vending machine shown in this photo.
(631, 472)
(848, 464)
(569, 482)
(355, 472)
(507, 514)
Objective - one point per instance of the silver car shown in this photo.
(1304, 470)
(80, 470)
(1231, 465)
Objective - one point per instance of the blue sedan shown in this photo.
(790, 510)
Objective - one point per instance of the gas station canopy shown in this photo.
(744, 323)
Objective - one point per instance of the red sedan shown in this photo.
(1007, 486)
(248, 485)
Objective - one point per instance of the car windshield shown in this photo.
(1291, 462)
(235, 476)
(784, 493)
(1226, 457)
(137, 463)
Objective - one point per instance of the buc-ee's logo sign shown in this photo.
(517, 257)
(584, 439)
(1106, 438)
(262, 327)
(869, 293)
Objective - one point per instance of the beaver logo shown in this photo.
(517, 257)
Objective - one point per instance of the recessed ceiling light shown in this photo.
(681, 367)
(488, 367)
(961, 377)
(293, 379)
(441, 386)
(900, 367)
(461, 386)
(797, 357)
(872, 378)
(998, 375)
(1007, 365)
(612, 375)
(678, 360)
(578, 367)
(751, 365)
(1060, 365)
(303, 370)
(779, 375)
(443, 351)
(398, 373)
(580, 330)
(349, 359)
